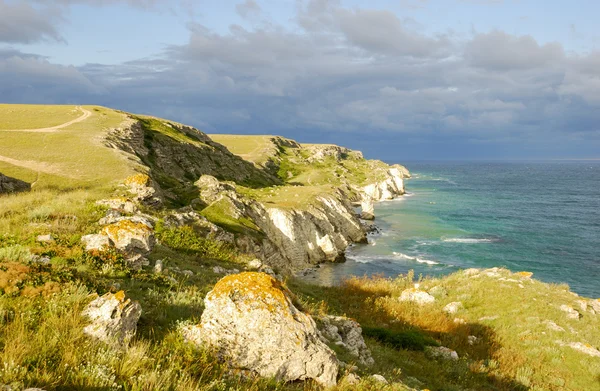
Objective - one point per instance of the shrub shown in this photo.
(411, 340)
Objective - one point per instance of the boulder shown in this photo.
(347, 333)
(114, 318)
(453, 308)
(378, 379)
(142, 188)
(250, 321)
(95, 242)
(122, 205)
(572, 313)
(211, 189)
(595, 304)
(12, 185)
(130, 236)
(441, 352)
(44, 238)
(416, 296)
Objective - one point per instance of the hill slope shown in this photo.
(165, 211)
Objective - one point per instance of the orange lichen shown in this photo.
(138, 180)
(524, 274)
(125, 227)
(262, 289)
(120, 296)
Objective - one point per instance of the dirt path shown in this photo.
(86, 114)
(35, 166)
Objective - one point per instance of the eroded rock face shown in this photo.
(250, 321)
(211, 189)
(346, 333)
(143, 189)
(12, 185)
(114, 318)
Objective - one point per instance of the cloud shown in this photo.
(248, 8)
(499, 51)
(22, 23)
(328, 78)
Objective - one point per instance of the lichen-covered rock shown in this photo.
(441, 352)
(250, 321)
(130, 236)
(347, 333)
(378, 379)
(114, 318)
(416, 296)
(143, 189)
(122, 205)
(95, 242)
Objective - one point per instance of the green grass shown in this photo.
(36, 116)
(256, 149)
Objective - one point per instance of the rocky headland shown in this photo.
(168, 261)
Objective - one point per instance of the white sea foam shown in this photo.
(469, 240)
(417, 259)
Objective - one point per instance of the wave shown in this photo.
(420, 260)
(470, 240)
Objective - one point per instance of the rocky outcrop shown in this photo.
(251, 322)
(12, 185)
(114, 318)
(320, 152)
(347, 334)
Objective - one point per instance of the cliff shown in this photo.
(290, 205)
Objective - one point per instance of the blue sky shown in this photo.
(398, 79)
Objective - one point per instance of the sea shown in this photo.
(542, 217)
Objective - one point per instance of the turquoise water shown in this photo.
(538, 217)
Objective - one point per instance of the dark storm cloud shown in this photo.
(22, 23)
(358, 77)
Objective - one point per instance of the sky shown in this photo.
(400, 80)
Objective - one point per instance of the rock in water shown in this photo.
(114, 318)
(249, 319)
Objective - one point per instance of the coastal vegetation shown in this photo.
(475, 329)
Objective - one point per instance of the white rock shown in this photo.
(158, 266)
(351, 379)
(348, 334)
(585, 348)
(553, 326)
(250, 321)
(95, 242)
(378, 379)
(471, 271)
(119, 204)
(472, 340)
(416, 296)
(187, 273)
(441, 352)
(255, 264)
(44, 238)
(571, 312)
(453, 308)
(114, 318)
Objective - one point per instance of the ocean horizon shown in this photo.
(541, 216)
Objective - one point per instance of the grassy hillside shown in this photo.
(510, 332)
